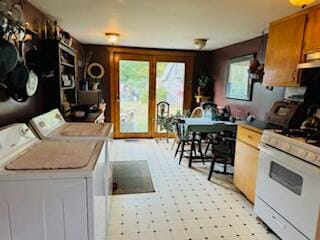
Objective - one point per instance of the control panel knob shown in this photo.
(311, 157)
(285, 146)
(273, 141)
(302, 153)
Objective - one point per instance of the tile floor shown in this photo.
(185, 205)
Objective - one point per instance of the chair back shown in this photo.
(180, 128)
(197, 112)
(208, 105)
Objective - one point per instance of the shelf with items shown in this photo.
(62, 87)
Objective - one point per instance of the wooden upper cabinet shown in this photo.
(312, 35)
(284, 51)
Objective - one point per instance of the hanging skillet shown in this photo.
(8, 57)
(17, 79)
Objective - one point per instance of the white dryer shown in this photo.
(49, 189)
(52, 126)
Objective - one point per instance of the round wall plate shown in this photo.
(32, 84)
(96, 70)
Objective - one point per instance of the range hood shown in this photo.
(312, 60)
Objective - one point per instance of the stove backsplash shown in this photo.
(311, 78)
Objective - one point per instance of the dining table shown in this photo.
(203, 126)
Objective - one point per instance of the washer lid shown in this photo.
(50, 155)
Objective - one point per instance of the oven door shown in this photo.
(290, 186)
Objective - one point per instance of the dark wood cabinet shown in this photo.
(60, 62)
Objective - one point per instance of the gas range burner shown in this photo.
(292, 133)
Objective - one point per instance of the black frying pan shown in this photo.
(16, 82)
(17, 79)
(8, 58)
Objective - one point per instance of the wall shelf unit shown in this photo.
(61, 88)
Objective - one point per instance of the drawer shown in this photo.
(248, 136)
(276, 222)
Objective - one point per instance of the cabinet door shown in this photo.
(312, 35)
(284, 51)
(245, 169)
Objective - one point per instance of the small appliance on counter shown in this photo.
(90, 97)
(287, 114)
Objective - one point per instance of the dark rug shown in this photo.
(130, 177)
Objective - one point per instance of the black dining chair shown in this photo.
(223, 152)
(183, 139)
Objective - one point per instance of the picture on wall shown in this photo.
(239, 84)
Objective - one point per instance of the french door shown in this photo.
(141, 81)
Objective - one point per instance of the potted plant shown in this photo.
(203, 80)
(95, 84)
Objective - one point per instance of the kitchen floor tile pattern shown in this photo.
(185, 205)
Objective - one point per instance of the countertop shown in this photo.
(257, 126)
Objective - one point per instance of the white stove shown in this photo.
(288, 185)
(47, 189)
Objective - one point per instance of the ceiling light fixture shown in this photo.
(301, 3)
(112, 38)
(200, 43)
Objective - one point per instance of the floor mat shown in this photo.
(130, 177)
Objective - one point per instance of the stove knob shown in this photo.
(302, 153)
(266, 139)
(311, 157)
(273, 141)
(285, 146)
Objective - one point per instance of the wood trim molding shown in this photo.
(155, 52)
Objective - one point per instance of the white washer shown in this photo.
(52, 126)
(41, 203)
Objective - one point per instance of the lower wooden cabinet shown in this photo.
(246, 163)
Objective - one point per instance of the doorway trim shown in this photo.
(154, 55)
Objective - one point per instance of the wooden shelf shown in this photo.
(67, 64)
(66, 88)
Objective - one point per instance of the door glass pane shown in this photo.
(134, 96)
(290, 180)
(170, 87)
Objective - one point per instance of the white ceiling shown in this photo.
(171, 24)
